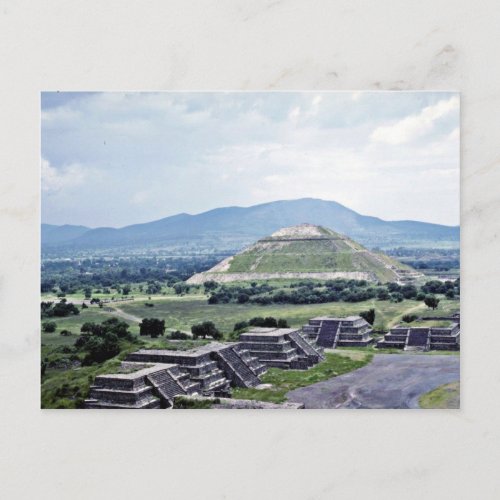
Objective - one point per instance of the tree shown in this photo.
(210, 285)
(101, 341)
(181, 288)
(213, 299)
(126, 289)
(369, 315)
(49, 326)
(383, 294)
(65, 333)
(87, 292)
(242, 298)
(206, 329)
(431, 301)
(153, 327)
(282, 323)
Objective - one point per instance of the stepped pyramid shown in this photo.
(305, 251)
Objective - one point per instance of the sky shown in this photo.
(114, 159)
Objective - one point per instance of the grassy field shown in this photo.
(445, 397)
(284, 381)
(181, 313)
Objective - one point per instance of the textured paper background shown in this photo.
(210, 45)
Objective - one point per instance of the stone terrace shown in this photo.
(149, 386)
(281, 348)
(423, 338)
(351, 331)
(213, 366)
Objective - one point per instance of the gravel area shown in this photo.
(389, 381)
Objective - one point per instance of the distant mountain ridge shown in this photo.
(235, 227)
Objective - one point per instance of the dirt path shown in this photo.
(389, 381)
(115, 311)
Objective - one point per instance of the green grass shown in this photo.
(69, 388)
(444, 397)
(372, 349)
(182, 313)
(183, 403)
(284, 381)
(429, 323)
(311, 256)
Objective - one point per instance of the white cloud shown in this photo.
(57, 179)
(190, 152)
(415, 126)
(294, 114)
(140, 197)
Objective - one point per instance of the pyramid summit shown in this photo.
(304, 230)
(305, 251)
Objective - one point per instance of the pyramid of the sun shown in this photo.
(305, 251)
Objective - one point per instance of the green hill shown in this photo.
(306, 251)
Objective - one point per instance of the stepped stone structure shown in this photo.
(151, 378)
(214, 366)
(140, 386)
(352, 331)
(423, 338)
(281, 348)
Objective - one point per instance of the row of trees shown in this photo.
(341, 290)
(69, 276)
(59, 309)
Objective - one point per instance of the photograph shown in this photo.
(250, 250)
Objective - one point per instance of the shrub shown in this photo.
(178, 335)
(408, 318)
(240, 326)
(65, 333)
(369, 315)
(49, 326)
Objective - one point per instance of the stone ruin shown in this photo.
(423, 338)
(140, 386)
(281, 348)
(153, 378)
(352, 331)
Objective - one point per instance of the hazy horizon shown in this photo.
(236, 206)
(115, 159)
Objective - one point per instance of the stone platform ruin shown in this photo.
(281, 348)
(422, 338)
(140, 386)
(352, 331)
(152, 378)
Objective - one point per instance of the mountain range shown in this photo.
(235, 227)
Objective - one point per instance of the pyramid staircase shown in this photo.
(418, 339)
(236, 369)
(328, 334)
